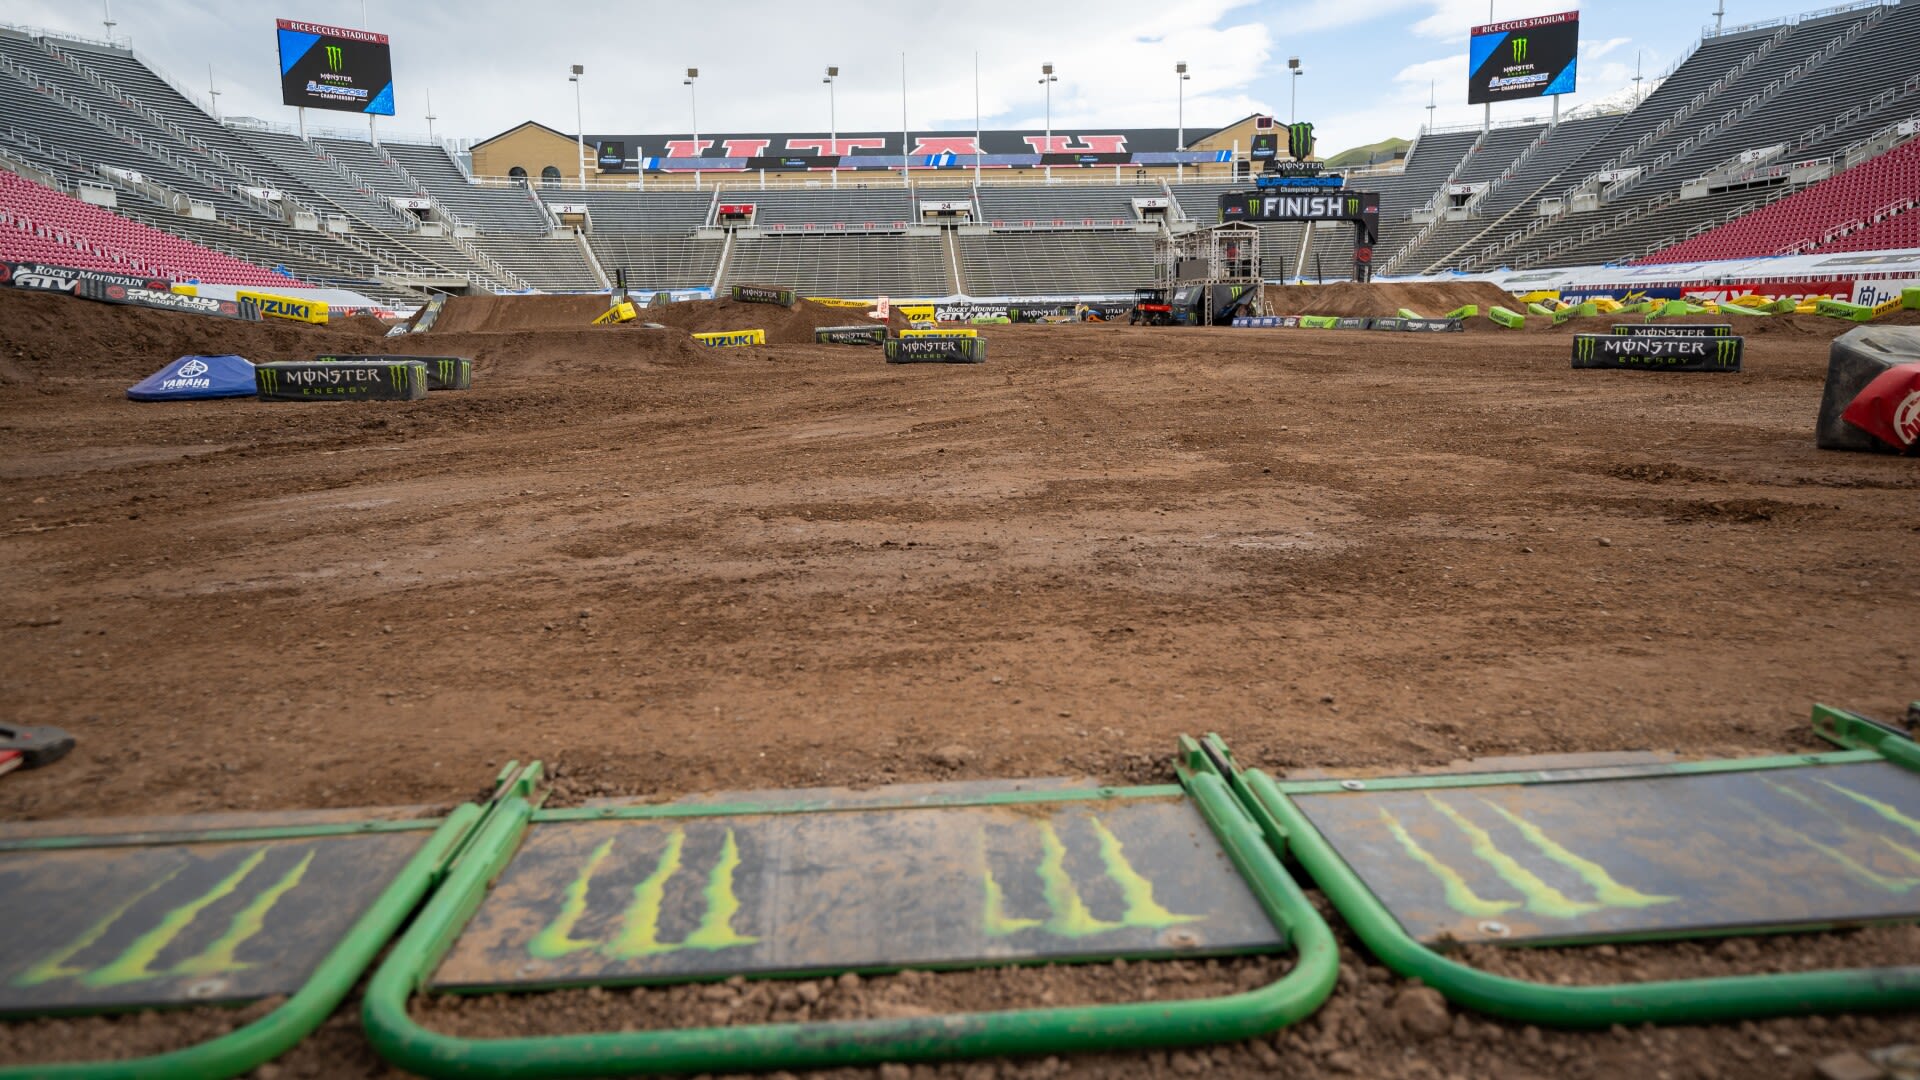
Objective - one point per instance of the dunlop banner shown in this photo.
(1657, 353)
(267, 305)
(732, 338)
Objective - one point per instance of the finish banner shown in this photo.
(1525, 58)
(1275, 204)
(331, 67)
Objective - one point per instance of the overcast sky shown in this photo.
(490, 64)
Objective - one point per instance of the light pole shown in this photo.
(693, 111)
(107, 19)
(1180, 118)
(1047, 79)
(213, 93)
(1293, 97)
(579, 129)
(833, 123)
(430, 119)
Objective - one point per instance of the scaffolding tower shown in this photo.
(1222, 260)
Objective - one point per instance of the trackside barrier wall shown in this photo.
(293, 309)
(255, 1043)
(1663, 1002)
(410, 965)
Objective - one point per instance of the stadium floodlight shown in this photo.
(579, 127)
(1293, 97)
(1180, 115)
(693, 113)
(1047, 79)
(833, 124)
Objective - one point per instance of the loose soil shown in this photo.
(668, 569)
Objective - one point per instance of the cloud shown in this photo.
(1595, 52)
(1447, 69)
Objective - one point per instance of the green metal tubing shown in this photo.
(1684, 1001)
(791, 1046)
(213, 836)
(1843, 728)
(1444, 781)
(272, 1035)
(663, 811)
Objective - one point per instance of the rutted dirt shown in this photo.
(669, 569)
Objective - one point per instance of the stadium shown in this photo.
(1024, 601)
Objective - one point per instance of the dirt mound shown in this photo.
(784, 326)
(46, 335)
(1431, 299)
(468, 314)
(542, 353)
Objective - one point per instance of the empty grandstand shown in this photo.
(1787, 137)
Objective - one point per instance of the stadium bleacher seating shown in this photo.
(1698, 168)
(1825, 216)
(38, 224)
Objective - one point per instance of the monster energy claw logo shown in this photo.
(334, 58)
(269, 380)
(1726, 350)
(1300, 140)
(1519, 50)
(1353, 206)
(1067, 912)
(638, 931)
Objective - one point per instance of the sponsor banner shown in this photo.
(1265, 205)
(1257, 322)
(936, 350)
(610, 156)
(955, 333)
(166, 301)
(1352, 324)
(443, 372)
(851, 335)
(834, 301)
(618, 313)
(1435, 326)
(1671, 331)
(1525, 58)
(1388, 324)
(267, 305)
(1657, 353)
(330, 67)
(1774, 290)
(398, 380)
(1033, 313)
(761, 294)
(46, 277)
(723, 339)
(1875, 293)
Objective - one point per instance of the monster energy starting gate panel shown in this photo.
(1647, 856)
(135, 925)
(688, 896)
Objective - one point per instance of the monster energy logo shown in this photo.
(137, 961)
(1300, 140)
(1067, 912)
(1353, 206)
(638, 933)
(1586, 348)
(448, 370)
(1519, 50)
(1726, 352)
(334, 58)
(1535, 894)
(406, 376)
(268, 380)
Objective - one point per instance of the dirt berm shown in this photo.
(484, 314)
(784, 326)
(47, 334)
(1431, 299)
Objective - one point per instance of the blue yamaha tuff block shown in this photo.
(194, 378)
(1657, 353)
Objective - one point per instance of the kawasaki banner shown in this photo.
(1525, 58)
(1275, 204)
(330, 67)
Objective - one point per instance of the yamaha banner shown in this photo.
(1525, 58)
(330, 67)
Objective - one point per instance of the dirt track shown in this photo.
(666, 569)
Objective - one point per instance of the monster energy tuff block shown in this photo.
(342, 380)
(1657, 353)
(937, 350)
(443, 372)
(1672, 330)
(850, 335)
(761, 294)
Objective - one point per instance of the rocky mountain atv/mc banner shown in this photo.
(330, 67)
(1525, 58)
